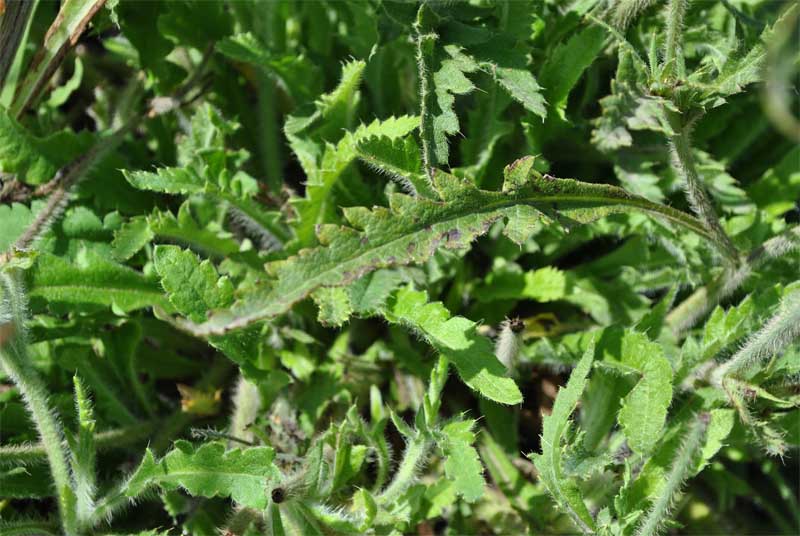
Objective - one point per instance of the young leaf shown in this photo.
(554, 427)
(462, 464)
(210, 471)
(455, 338)
(644, 409)
(193, 286)
(567, 63)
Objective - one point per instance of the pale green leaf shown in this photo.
(210, 471)
(554, 429)
(131, 237)
(462, 464)
(193, 286)
(456, 339)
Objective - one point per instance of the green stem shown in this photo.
(673, 46)
(413, 459)
(681, 469)
(16, 363)
(781, 330)
(686, 314)
(425, 43)
(695, 191)
(112, 439)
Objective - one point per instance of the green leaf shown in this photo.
(193, 286)
(462, 464)
(209, 471)
(398, 158)
(92, 280)
(456, 339)
(71, 21)
(566, 64)
(448, 81)
(131, 238)
(644, 408)
(554, 429)
(325, 145)
(334, 305)
(413, 229)
(35, 160)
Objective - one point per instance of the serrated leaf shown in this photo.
(325, 145)
(644, 408)
(413, 229)
(462, 464)
(566, 64)
(398, 158)
(554, 428)
(456, 339)
(334, 305)
(210, 471)
(193, 286)
(131, 237)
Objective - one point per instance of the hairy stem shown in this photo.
(683, 162)
(119, 438)
(425, 43)
(246, 405)
(413, 459)
(673, 46)
(16, 363)
(686, 314)
(682, 467)
(780, 331)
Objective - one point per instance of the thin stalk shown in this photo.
(120, 438)
(425, 43)
(681, 469)
(413, 459)
(686, 314)
(246, 405)
(16, 363)
(684, 164)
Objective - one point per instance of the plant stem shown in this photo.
(681, 468)
(673, 46)
(684, 316)
(413, 459)
(425, 43)
(15, 361)
(28, 454)
(780, 331)
(684, 164)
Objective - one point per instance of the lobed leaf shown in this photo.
(456, 339)
(209, 471)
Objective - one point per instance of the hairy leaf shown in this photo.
(209, 471)
(455, 338)
(554, 428)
